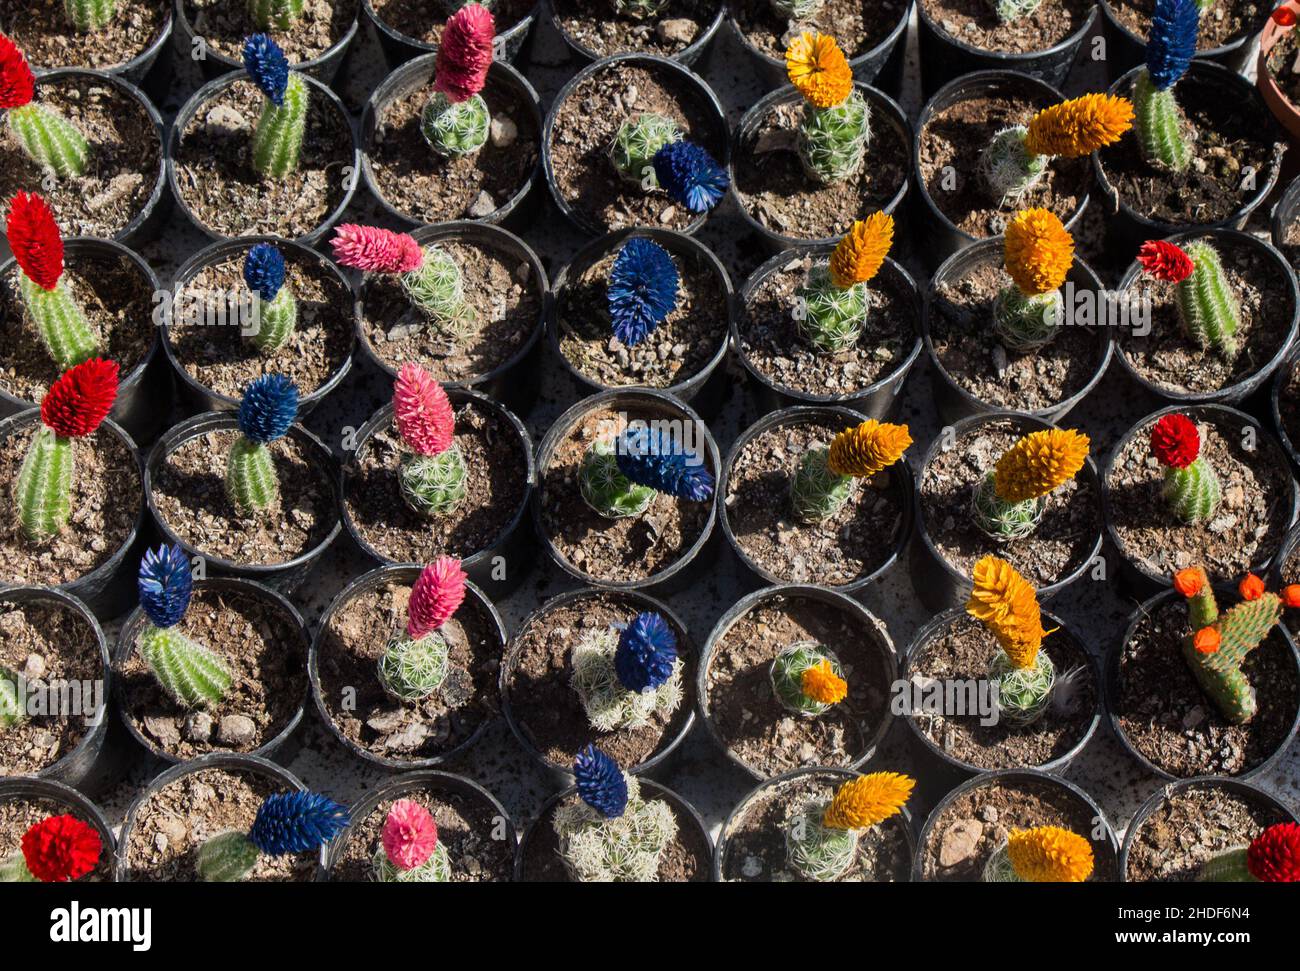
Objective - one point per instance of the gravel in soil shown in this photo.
(43, 32)
(975, 22)
(19, 814)
(593, 24)
(859, 26)
(225, 26)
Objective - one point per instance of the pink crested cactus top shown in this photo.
(376, 250)
(410, 835)
(464, 54)
(422, 411)
(437, 594)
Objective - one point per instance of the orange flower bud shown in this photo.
(1291, 595)
(1189, 582)
(1251, 587)
(1206, 640)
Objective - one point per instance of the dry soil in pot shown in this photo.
(858, 26)
(595, 25)
(975, 22)
(44, 33)
(225, 26)
(423, 20)
(18, 815)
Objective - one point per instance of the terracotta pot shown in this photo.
(1287, 114)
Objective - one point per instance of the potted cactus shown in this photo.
(58, 849)
(286, 823)
(121, 37)
(49, 831)
(1226, 29)
(263, 151)
(1041, 854)
(315, 37)
(1273, 856)
(679, 29)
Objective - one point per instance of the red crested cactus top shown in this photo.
(436, 596)
(376, 250)
(35, 240)
(1165, 261)
(1175, 441)
(1274, 855)
(410, 835)
(61, 848)
(464, 53)
(80, 399)
(422, 411)
(17, 84)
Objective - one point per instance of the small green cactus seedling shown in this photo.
(277, 140)
(270, 14)
(45, 135)
(808, 679)
(267, 411)
(1009, 11)
(12, 710)
(636, 143)
(828, 477)
(1191, 486)
(90, 15)
(1161, 129)
(625, 677)
(415, 665)
(409, 850)
(275, 309)
(821, 838)
(433, 475)
(619, 477)
(286, 822)
(1207, 304)
(455, 120)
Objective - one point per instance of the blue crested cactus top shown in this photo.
(269, 407)
(165, 584)
(601, 784)
(267, 66)
(690, 175)
(296, 822)
(1172, 43)
(646, 653)
(642, 289)
(264, 271)
(651, 456)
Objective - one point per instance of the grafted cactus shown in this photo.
(1007, 605)
(90, 15)
(1038, 254)
(828, 477)
(690, 176)
(409, 850)
(277, 140)
(455, 120)
(642, 289)
(808, 679)
(1191, 486)
(1008, 503)
(636, 143)
(836, 126)
(274, 305)
(266, 413)
(286, 822)
(1044, 854)
(415, 666)
(1207, 303)
(269, 14)
(625, 677)
(433, 474)
(834, 300)
(1272, 857)
(58, 849)
(821, 839)
(1158, 122)
(620, 477)
(45, 135)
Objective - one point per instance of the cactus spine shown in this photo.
(636, 143)
(277, 141)
(44, 488)
(63, 327)
(277, 14)
(90, 14)
(1206, 303)
(436, 289)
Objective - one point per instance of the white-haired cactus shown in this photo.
(833, 141)
(821, 839)
(271, 14)
(627, 676)
(275, 309)
(808, 679)
(1009, 11)
(266, 413)
(45, 135)
(636, 143)
(414, 665)
(277, 140)
(409, 850)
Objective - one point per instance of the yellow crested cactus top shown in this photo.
(1049, 854)
(818, 69)
(861, 252)
(1038, 463)
(1007, 604)
(823, 685)
(1037, 251)
(867, 800)
(1079, 126)
(865, 449)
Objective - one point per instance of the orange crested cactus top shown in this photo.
(867, 448)
(861, 252)
(1037, 251)
(1079, 126)
(818, 69)
(868, 800)
(1049, 854)
(1007, 604)
(823, 685)
(1039, 463)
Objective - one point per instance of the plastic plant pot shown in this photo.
(251, 764)
(939, 584)
(901, 485)
(109, 589)
(213, 64)
(879, 637)
(197, 396)
(945, 57)
(688, 250)
(1236, 787)
(364, 584)
(1137, 580)
(694, 563)
(1278, 387)
(516, 380)
(903, 822)
(878, 399)
(66, 800)
(320, 94)
(941, 623)
(1278, 103)
(955, 402)
(1105, 848)
(661, 757)
(457, 786)
(1238, 391)
(1127, 228)
(705, 100)
(283, 577)
(419, 73)
(688, 55)
(398, 47)
(511, 547)
(943, 237)
(1285, 212)
(136, 69)
(1126, 50)
(688, 820)
(77, 767)
(139, 390)
(884, 109)
(282, 746)
(1148, 608)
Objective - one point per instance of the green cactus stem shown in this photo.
(1023, 693)
(90, 14)
(277, 141)
(251, 480)
(833, 141)
(12, 711)
(1024, 323)
(1192, 492)
(609, 705)
(819, 852)
(1158, 123)
(786, 674)
(1001, 520)
(831, 318)
(1207, 304)
(13, 869)
(1007, 168)
(44, 488)
(436, 869)
(455, 129)
(433, 485)
(1228, 866)
(1241, 629)
(607, 490)
(625, 849)
(639, 9)
(410, 670)
(273, 14)
(50, 139)
(817, 493)
(226, 858)
(635, 144)
(276, 320)
(191, 674)
(437, 290)
(64, 329)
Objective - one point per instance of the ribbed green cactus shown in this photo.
(795, 9)
(1027, 322)
(277, 141)
(831, 318)
(1158, 124)
(833, 141)
(455, 129)
(437, 289)
(251, 480)
(90, 14)
(609, 705)
(64, 329)
(276, 320)
(1001, 520)
(1009, 11)
(636, 142)
(226, 858)
(436, 869)
(817, 493)
(50, 139)
(1206, 302)
(273, 14)
(1023, 693)
(786, 673)
(639, 9)
(1226, 867)
(1007, 168)
(625, 849)
(191, 674)
(607, 490)
(13, 869)
(44, 488)
(433, 485)
(819, 852)
(1192, 493)
(11, 705)
(413, 669)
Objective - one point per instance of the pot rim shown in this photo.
(150, 52)
(690, 51)
(890, 40)
(1007, 57)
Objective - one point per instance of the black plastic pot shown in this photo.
(834, 601)
(511, 548)
(901, 484)
(214, 64)
(1233, 393)
(135, 70)
(280, 747)
(363, 584)
(937, 583)
(688, 55)
(562, 774)
(945, 57)
(140, 390)
(1137, 581)
(28, 789)
(1112, 672)
(935, 627)
(1162, 795)
(707, 100)
(1276, 579)
(1126, 228)
(650, 789)
(456, 785)
(1284, 214)
(199, 397)
(687, 249)
(517, 379)
(109, 589)
(941, 234)
(882, 106)
(320, 94)
(1126, 50)
(1105, 848)
(254, 764)
(399, 48)
(955, 402)
(1277, 387)
(835, 776)
(418, 74)
(693, 565)
(283, 578)
(876, 400)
